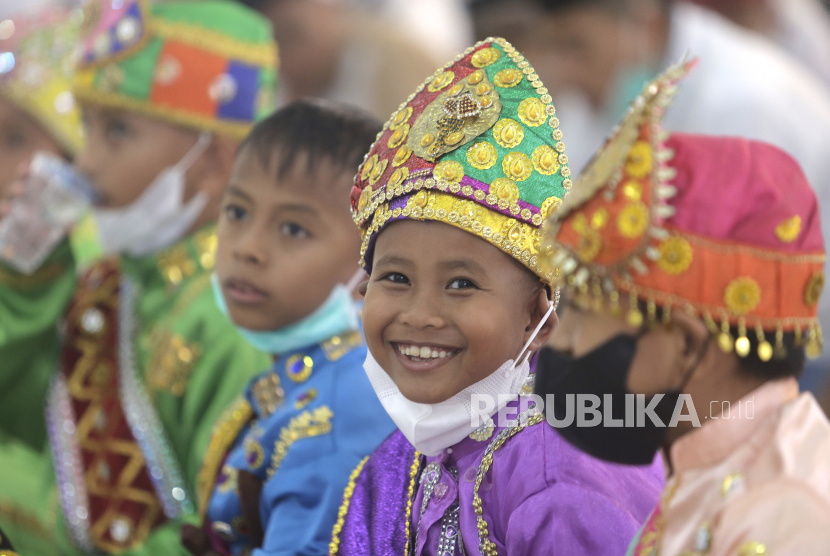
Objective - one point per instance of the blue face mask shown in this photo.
(337, 314)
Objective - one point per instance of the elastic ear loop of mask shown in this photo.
(355, 280)
(539, 326)
(197, 150)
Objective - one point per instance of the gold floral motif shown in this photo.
(532, 112)
(517, 166)
(338, 346)
(633, 220)
(475, 77)
(305, 425)
(814, 287)
(485, 57)
(268, 394)
(482, 155)
(742, 295)
(505, 190)
(675, 255)
(638, 164)
(509, 77)
(368, 166)
(484, 88)
(508, 133)
(788, 230)
(398, 136)
(590, 241)
(449, 170)
(633, 190)
(365, 195)
(401, 156)
(398, 177)
(549, 205)
(377, 171)
(441, 81)
(545, 160)
(400, 118)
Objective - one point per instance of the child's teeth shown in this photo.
(434, 354)
(442, 354)
(425, 352)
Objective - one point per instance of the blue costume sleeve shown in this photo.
(303, 506)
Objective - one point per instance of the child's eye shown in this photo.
(395, 278)
(461, 284)
(292, 229)
(234, 212)
(117, 130)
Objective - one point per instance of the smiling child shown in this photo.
(449, 202)
(280, 459)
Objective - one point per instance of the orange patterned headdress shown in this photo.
(720, 227)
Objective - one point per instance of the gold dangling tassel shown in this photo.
(634, 317)
(764, 347)
(742, 343)
(725, 340)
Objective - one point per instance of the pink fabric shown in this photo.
(734, 189)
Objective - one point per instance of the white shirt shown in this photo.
(743, 85)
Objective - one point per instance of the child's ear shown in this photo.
(218, 162)
(539, 308)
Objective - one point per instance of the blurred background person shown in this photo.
(331, 50)
(595, 56)
(801, 27)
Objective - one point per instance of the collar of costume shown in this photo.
(720, 227)
(207, 65)
(36, 67)
(477, 146)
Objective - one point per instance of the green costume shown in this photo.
(132, 358)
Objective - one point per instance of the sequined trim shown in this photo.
(413, 476)
(316, 422)
(143, 419)
(226, 430)
(69, 469)
(334, 546)
(527, 418)
(517, 238)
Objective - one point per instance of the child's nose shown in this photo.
(423, 311)
(250, 249)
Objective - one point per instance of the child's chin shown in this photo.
(417, 394)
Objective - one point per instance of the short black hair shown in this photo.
(320, 129)
(789, 364)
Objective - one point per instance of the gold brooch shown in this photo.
(675, 255)
(482, 155)
(742, 295)
(545, 160)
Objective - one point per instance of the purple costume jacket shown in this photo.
(540, 495)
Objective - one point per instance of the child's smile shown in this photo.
(445, 308)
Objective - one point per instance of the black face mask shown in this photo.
(600, 373)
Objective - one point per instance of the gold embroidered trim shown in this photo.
(334, 546)
(233, 129)
(41, 276)
(413, 474)
(338, 346)
(307, 424)
(488, 548)
(259, 54)
(227, 428)
(518, 239)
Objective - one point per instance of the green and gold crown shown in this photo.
(477, 146)
(209, 64)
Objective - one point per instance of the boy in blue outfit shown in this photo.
(275, 471)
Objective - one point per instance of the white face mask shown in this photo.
(159, 217)
(432, 428)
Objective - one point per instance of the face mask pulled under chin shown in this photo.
(432, 428)
(159, 217)
(602, 372)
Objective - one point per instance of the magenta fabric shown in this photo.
(541, 496)
(732, 189)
